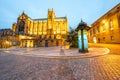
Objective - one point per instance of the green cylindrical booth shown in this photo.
(82, 37)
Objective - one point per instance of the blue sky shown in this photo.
(88, 10)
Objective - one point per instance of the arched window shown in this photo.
(111, 24)
(21, 26)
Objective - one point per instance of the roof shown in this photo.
(5, 29)
(61, 18)
(42, 19)
(82, 25)
(45, 19)
(117, 7)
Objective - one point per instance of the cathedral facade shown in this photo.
(50, 31)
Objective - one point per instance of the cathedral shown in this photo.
(44, 32)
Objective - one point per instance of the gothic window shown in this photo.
(21, 26)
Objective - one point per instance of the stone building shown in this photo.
(6, 38)
(50, 31)
(107, 28)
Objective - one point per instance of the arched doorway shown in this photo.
(46, 43)
(57, 43)
(98, 40)
(94, 39)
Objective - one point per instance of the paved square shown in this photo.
(14, 67)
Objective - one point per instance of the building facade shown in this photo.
(107, 28)
(6, 38)
(50, 31)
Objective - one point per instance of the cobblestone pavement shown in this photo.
(57, 52)
(13, 67)
(114, 48)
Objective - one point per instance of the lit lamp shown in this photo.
(54, 32)
(50, 27)
(7, 44)
(22, 37)
(82, 37)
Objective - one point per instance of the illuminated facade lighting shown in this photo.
(106, 28)
(40, 32)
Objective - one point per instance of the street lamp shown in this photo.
(7, 44)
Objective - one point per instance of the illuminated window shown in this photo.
(14, 38)
(112, 37)
(21, 26)
(104, 39)
(98, 29)
(90, 32)
(54, 32)
(58, 30)
(104, 28)
(54, 37)
(44, 32)
(10, 38)
(98, 40)
(94, 39)
(50, 27)
(111, 24)
(50, 37)
(94, 32)
(8, 32)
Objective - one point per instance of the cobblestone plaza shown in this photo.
(105, 67)
(45, 40)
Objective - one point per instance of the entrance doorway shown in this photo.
(94, 39)
(56, 43)
(46, 43)
(98, 40)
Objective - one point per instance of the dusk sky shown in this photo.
(88, 10)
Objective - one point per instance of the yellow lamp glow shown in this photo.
(22, 37)
(103, 21)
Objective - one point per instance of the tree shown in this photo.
(72, 38)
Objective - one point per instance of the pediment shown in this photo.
(23, 16)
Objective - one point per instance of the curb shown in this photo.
(81, 56)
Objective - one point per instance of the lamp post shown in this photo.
(6, 44)
(82, 37)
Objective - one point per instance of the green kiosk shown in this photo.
(82, 37)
